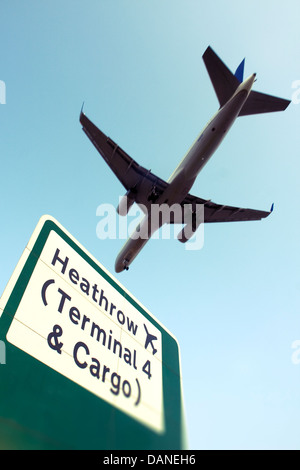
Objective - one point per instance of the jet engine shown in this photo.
(125, 203)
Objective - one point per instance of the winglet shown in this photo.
(272, 208)
(81, 111)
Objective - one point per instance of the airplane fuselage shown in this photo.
(184, 176)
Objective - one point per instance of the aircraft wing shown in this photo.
(221, 213)
(145, 186)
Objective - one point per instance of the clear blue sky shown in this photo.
(234, 305)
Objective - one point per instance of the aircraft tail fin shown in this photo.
(239, 73)
(225, 84)
(224, 81)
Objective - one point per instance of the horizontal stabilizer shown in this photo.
(223, 80)
(261, 103)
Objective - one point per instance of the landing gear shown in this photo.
(154, 194)
(125, 263)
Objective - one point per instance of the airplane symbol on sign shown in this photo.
(149, 340)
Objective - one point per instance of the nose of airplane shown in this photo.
(121, 264)
(119, 268)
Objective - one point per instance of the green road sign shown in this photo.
(86, 365)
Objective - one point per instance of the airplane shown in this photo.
(236, 98)
(149, 340)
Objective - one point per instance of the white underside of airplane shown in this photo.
(236, 98)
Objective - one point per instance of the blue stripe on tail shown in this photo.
(239, 74)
